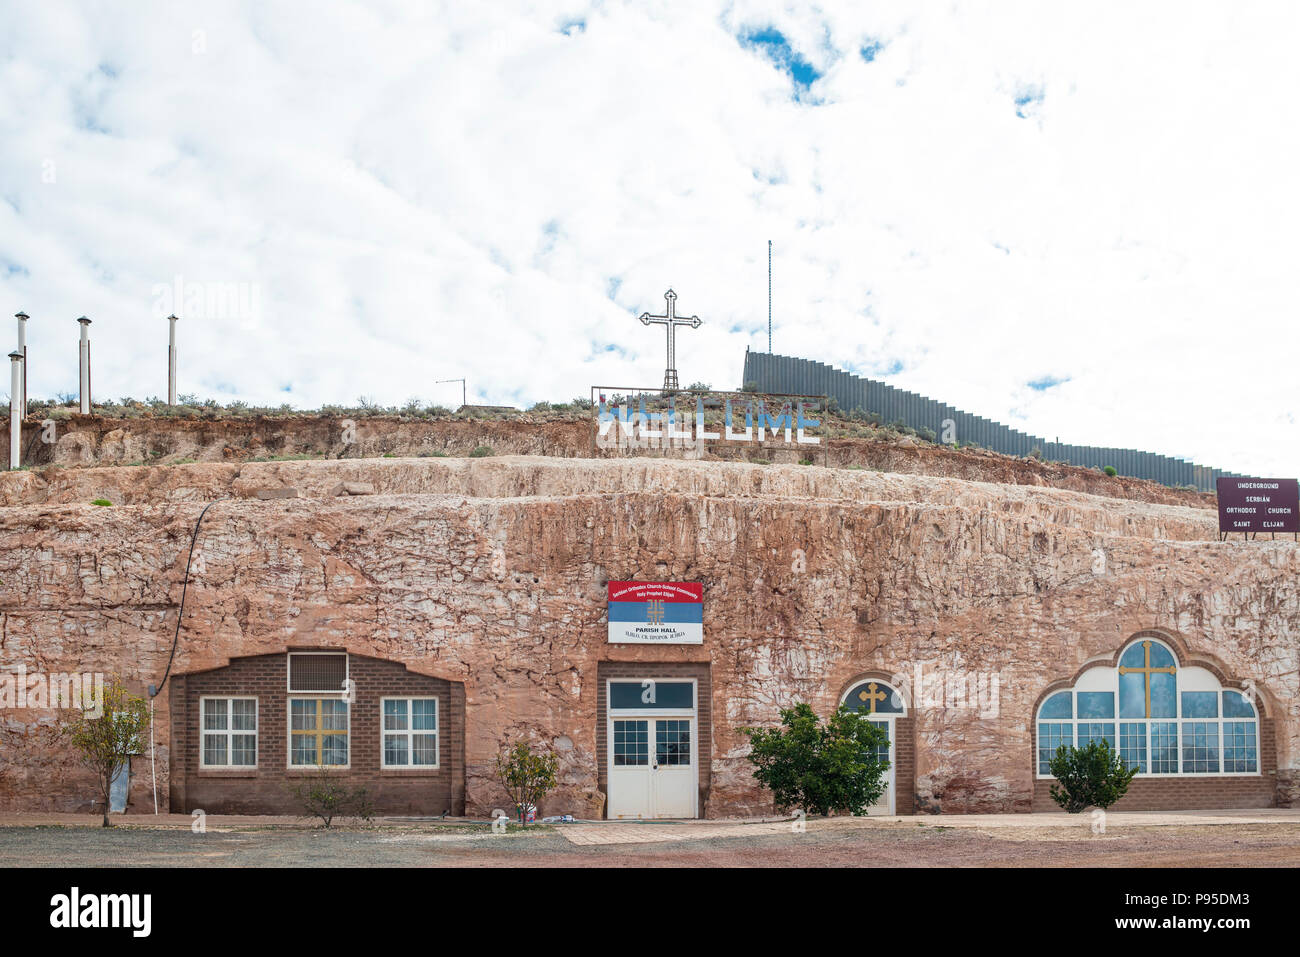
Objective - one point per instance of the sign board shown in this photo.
(656, 613)
(695, 419)
(1258, 505)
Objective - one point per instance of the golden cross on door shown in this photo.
(872, 698)
(1147, 672)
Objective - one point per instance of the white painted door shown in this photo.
(885, 804)
(652, 771)
(672, 776)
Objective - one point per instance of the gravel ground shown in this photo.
(896, 845)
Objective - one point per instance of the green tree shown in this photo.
(107, 740)
(818, 767)
(526, 776)
(1091, 776)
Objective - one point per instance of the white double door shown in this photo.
(652, 767)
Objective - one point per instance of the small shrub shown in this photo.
(526, 776)
(107, 739)
(1110, 470)
(101, 501)
(818, 767)
(760, 461)
(480, 451)
(325, 797)
(805, 461)
(1092, 776)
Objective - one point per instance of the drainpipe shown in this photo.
(85, 365)
(15, 400)
(171, 359)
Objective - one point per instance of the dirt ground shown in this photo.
(823, 844)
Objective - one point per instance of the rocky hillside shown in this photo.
(80, 441)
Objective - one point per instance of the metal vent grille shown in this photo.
(317, 672)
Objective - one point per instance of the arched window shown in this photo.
(882, 705)
(1164, 719)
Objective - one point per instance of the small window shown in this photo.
(1200, 704)
(1096, 704)
(410, 732)
(1235, 705)
(875, 697)
(229, 732)
(1059, 705)
(318, 732)
(650, 694)
(321, 672)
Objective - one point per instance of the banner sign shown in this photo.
(656, 613)
(697, 419)
(1259, 505)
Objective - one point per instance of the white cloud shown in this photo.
(418, 192)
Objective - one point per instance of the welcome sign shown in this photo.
(656, 613)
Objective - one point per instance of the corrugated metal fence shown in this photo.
(786, 374)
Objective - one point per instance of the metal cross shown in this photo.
(1147, 672)
(872, 698)
(670, 320)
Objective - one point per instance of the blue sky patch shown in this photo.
(1047, 382)
(870, 50)
(1028, 99)
(573, 27)
(773, 44)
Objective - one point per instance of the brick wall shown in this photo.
(266, 788)
(905, 765)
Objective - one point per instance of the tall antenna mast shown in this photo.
(769, 296)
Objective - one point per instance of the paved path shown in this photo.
(653, 832)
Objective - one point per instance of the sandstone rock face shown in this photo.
(492, 572)
(95, 440)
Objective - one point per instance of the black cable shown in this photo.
(180, 615)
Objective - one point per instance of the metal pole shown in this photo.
(769, 297)
(15, 400)
(171, 360)
(85, 365)
(464, 400)
(22, 318)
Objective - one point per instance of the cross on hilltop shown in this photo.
(671, 322)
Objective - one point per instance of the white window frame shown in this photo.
(302, 692)
(289, 731)
(1195, 682)
(229, 731)
(653, 711)
(410, 732)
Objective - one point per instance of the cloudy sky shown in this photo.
(1078, 219)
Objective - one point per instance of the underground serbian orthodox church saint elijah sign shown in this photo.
(656, 613)
(1258, 505)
